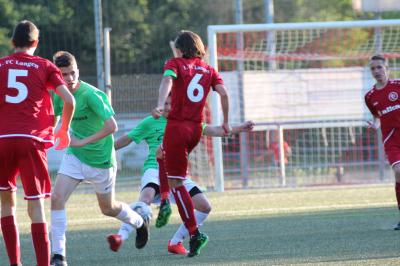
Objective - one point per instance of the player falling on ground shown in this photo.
(189, 80)
(151, 131)
(383, 102)
(90, 158)
(26, 131)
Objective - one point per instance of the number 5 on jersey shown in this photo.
(12, 83)
(194, 85)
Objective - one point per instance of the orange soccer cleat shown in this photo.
(115, 242)
(177, 248)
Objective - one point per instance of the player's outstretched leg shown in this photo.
(197, 242)
(164, 213)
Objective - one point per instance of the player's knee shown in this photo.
(203, 206)
(57, 201)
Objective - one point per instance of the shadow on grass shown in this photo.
(318, 237)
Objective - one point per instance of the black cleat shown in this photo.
(197, 242)
(142, 234)
(396, 227)
(58, 260)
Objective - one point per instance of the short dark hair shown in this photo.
(25, 34)
(190, 44)
(379, 57)
(63, 59)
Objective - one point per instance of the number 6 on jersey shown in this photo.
(193, 86)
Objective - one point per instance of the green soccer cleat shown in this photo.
(197, 242)
(164, 213)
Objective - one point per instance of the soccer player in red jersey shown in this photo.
(384, 104)
(26, 131)
(189, 80)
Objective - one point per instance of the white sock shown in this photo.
(183, 232)
(58, 228)
(125, 231)
(127, 215)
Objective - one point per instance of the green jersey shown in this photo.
(91, 110)
(151, 130)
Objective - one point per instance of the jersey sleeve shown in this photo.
(171, 68)
(54, 76)
(368, 103)
(216, 78)
(139, 133)
(100, 105)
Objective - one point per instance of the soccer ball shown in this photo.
(142, 209)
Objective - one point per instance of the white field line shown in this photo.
(104, 219)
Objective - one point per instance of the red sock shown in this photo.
(398, 194)
(185, 207)
(162, 174)
(41, 243)
(11, 239)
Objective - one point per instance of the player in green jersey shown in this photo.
(151, 131)
(90, 158)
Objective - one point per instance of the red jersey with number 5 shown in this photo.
(26, 108)
(190, 88)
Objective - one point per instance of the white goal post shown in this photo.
(299, 54)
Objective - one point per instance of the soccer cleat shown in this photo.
(164, 213)
(58, 260)
(115, 242)
(142, 234)
(396, 227)
(197, 242)
(177, 248)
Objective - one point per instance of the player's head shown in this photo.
(190, 44)
(25, 35)
(167, 106)
(379, 68)
(66, 62)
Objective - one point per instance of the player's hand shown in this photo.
(77, 142)
(248, 126)
(157, 112)
(62, 138)
(160, 153)
(227, 129)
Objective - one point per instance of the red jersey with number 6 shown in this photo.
(26, 108)
(190, 88)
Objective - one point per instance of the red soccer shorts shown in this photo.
(180, 138)
(392, 146)
(27, 157)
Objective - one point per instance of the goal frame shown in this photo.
(213, 30)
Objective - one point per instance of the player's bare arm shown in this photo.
(68, 111)
(110, 126)
(165, 88)
(218, 131)
(122, 142)
(223, 93)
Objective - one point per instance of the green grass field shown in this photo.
(316, 226)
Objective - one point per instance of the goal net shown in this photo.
(303, 84)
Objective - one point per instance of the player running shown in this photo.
(26, 131)
(90, 158)
(151, 131)
(384, 104)
(189, 80)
